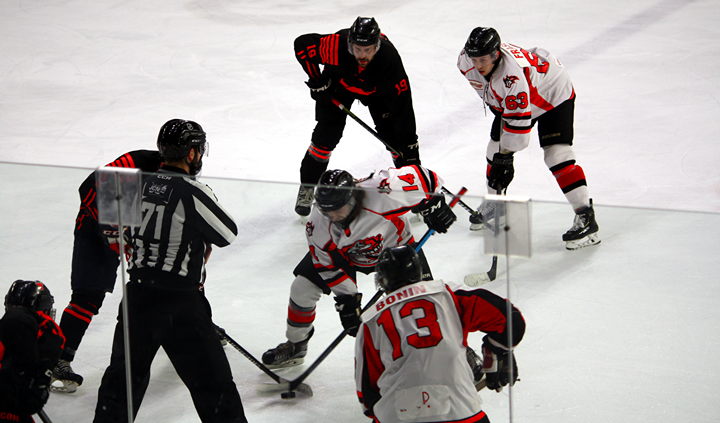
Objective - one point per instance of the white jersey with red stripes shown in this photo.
(381, 223)
(525, 84)
(410, 357)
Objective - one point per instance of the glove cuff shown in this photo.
(318, 86)
(494, 346)
(503, 159)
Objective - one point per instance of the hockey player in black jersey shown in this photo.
(358, 63)
(95, 260)
(182, 219)
(30, 345)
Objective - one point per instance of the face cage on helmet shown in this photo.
(325, 212)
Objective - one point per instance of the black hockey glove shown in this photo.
(34, 395)
(501, 171)
(320, 90)
(437, 215)
(410, 154)
(348, 306)
(496, 366)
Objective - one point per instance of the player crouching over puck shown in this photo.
(424, 325)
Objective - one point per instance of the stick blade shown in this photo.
(477, 279)
(284, 386)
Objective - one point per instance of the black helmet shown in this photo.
(334, 190)
(364, 32)
(482, 41)
(177, 137)
(31, 294)
(397, 267)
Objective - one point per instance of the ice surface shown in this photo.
(625, 331)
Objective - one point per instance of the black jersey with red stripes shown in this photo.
(383, 79)
(87, 219)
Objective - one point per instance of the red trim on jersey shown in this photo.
(517, 115)
(339, 280)
(506, 128)
(535, 97)
(356, 90)
(472, 419)
(329, 49)
(569, 175)
(373, 363)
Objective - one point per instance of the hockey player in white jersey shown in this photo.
(524, 87)
(410, 350)
(350, 224)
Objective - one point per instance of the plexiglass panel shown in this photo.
(624, 331)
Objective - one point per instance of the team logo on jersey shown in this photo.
(368, 248)
(156, 189)
(509, 80)
(384, 187)
(309, 228)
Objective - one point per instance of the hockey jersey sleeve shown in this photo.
(219, 227)
(314, 50)
(368, 368)
(481, 310)
(146, 160)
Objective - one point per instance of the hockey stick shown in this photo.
(477, 279)
(364, 125)
(301, 387)
(43, 416)
(286, 387)
(293, 384)
(455, 200)
(462, 203)
(376, 135)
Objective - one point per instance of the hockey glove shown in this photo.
(320, 90)
(496, 366)
(34, 395)
(409, 154)
(501, 171)
(348, 306)
(437, 215)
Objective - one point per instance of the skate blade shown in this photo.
(63, 386)
(587, 241)
(290, 363)
(477, 226)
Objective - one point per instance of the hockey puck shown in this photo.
(287, 395)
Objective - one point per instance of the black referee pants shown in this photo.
(179, 322)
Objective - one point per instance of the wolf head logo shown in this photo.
(509, 80)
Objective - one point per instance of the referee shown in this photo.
(181, 220)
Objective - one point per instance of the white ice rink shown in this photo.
(622, 332)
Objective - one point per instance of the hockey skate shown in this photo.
(287, 354)
(485, 217)
(304, 201)
(584, 231)
(64, 379)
